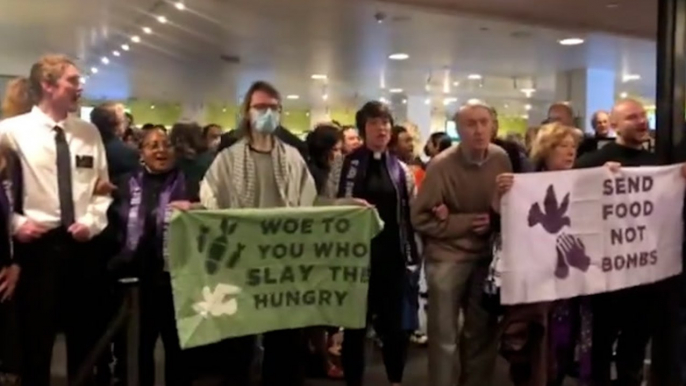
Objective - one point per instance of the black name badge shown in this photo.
(84, 161)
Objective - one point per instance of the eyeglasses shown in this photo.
(157, 146)
(262, 107)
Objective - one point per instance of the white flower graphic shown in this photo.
(216, 303)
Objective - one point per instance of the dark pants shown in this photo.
(623, 317)
(394, 352)
(668, 359)
(10, 348)
(61, 286)
(158, 320)
(229, 363)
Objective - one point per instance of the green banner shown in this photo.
(249, 271)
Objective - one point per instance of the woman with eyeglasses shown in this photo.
(143, 202)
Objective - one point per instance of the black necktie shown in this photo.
(64, 178)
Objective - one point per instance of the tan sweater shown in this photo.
(467, 189)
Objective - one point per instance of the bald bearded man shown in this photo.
(622, 316)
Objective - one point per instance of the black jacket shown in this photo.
(121, 158)
(613, 152)
(591, 144)
(514, 153)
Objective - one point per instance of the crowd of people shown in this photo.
(85, 204)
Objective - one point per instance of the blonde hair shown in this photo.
(550, 136)
(17, 98)
(48, 69)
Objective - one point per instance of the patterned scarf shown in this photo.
(243, 172)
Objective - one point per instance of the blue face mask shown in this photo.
(264, 122)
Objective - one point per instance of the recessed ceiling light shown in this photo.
(224, 110)
(125, 47)
(136, 39)
(456, 84)
(180, 6)
(525, 116)
(399, 56)
(383, 100)
(83, 80)
(319, 77)
(528, 90)
(152, 107)
(474, 77)
(94, 70)
(292, 96)
(105, 60)
(427, 101)
(395, 90)
(630, 77)
(527, 107)
(404, 101)
(161, 19)
(147, 30)
(571, 41)
(325, 97)
(475, 101)
(450, 100)
(116, 53)
(623, 95)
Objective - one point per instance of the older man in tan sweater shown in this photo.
(451, 212)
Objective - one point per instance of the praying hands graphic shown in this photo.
(570, 250)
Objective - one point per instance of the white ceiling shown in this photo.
(286, 41)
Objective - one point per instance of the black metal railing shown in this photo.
(126, 319)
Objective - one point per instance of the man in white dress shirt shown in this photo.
(62, 159)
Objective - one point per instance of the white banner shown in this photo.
(588, 231)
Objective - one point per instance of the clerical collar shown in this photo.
(377, 155)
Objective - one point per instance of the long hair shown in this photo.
(187, 140)
(17, 98)
(265, 87)
(320, 143)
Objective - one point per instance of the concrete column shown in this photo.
(587, 90)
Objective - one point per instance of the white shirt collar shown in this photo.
(45, 120)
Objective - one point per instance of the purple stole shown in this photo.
(134, 211)
(571, 324)
(353, 175)
(7, 210)
(352, 184)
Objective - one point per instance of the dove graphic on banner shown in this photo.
(555, 216)
(218, 302)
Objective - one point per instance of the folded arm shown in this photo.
(96, 213)
(425, 220)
